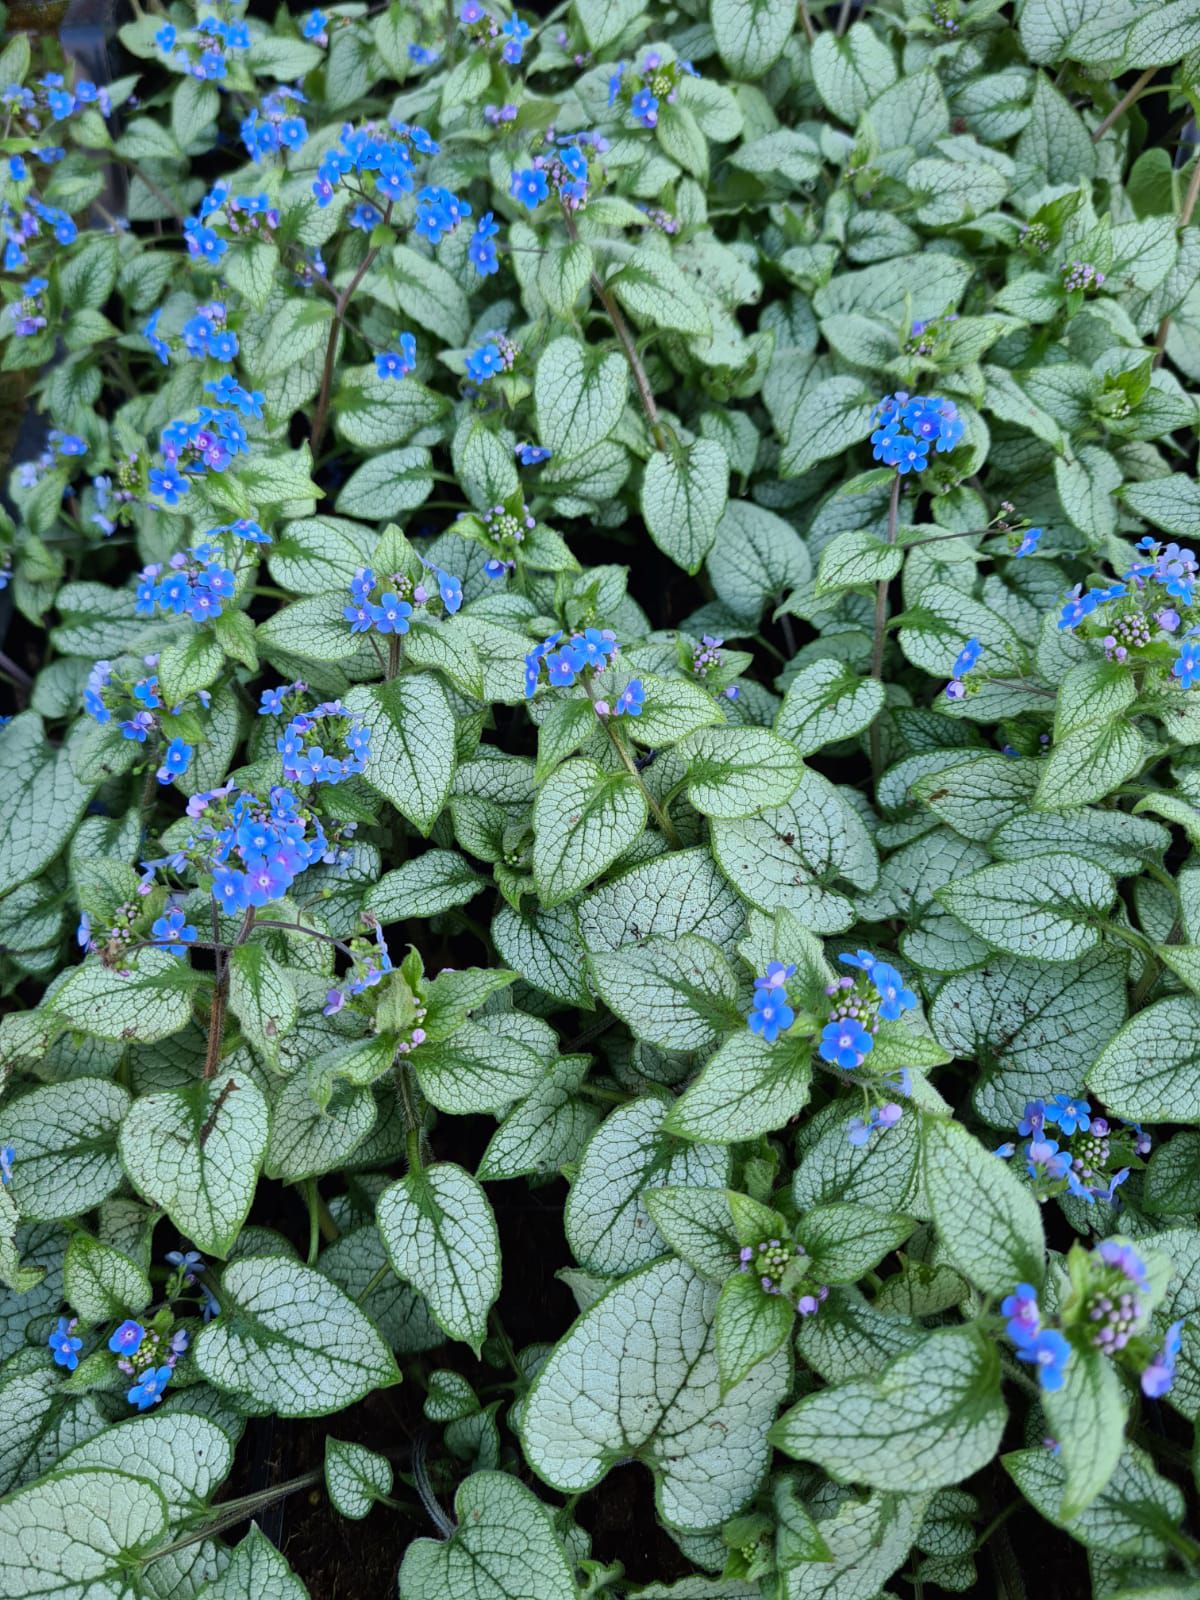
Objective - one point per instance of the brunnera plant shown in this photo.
(599, 609)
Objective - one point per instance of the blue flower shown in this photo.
(894, 998)
(966, 658)
(771, 1015)
(397, 363)
(1049, 1352)
(1029, 542)
(482, 251)
(529, 187)
(514, 32)
(1159, 1377)
(230, 889)
(314, 26)
(169, 485)
(391, 614)
(148, 1390)
(450, 589)
(776, 976)
(532, 455)
(1034, 1119)
(644, 107)
(172, 932)
(1186, 666)
(66, 1348)
(362, 585)
(484, 363)
(1069, 1114)
(631, 699)
(1021, 1309)
(1043, 1159)
(846, 1043)
(8, 1155)
(862, 959)
(160, 346)
(127, 1339)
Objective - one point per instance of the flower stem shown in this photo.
(1185, 216)
(627, 342)
(216, 1015)
(631, 766)
(881, 594)
(235, 1511)
(1123, 104)
(321, 415)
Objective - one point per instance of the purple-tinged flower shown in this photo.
(1034, 1119)
(1120, 1255)
(65, 1346)
(1159, 1376)
(1021, 1309)
(1043, 1159)
(127, 1339)
(776, 975)
(177, 758)
(400, 362)
(644, 106)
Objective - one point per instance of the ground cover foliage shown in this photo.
(601, 947)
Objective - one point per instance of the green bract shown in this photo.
(600, 801)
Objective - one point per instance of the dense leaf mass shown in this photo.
(599, 917)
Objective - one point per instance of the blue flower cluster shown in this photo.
(193, 581)
(368, 150)
(202, 52)
(486, 32)
(496, 354)
(849, 1035)
(372, 963)
(656, 81)
(963, 663)
(770, 1015)
(1090, 1159)
(481, 252)
(392, 612)
(907, 425)
(52, 99)
(561, 171)
(193, 448)
(397, 363)
(254, 849)
(589, 651)
(148, 1356)
(1082, 602)
(173, 932)
(27, 315)
(274, 126)
(106, 696)
(307, 764)
(1043, 1348)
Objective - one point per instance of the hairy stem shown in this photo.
(321, 415)
(216, 1015)
(657, 811)
(627, 342)
(881, 595)
(235, 1511)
